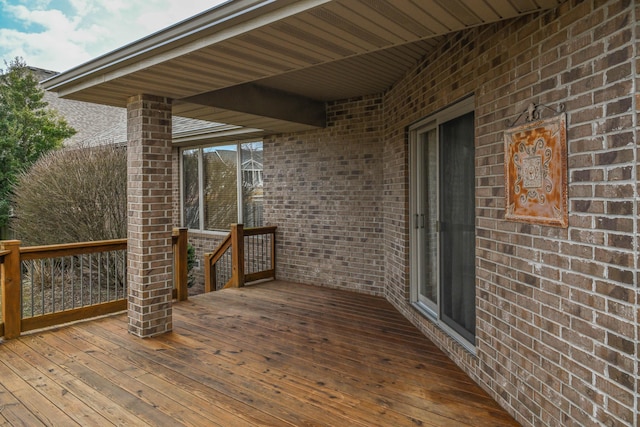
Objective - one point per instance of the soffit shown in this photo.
(321, 49)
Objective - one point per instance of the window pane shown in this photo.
(220, 166)
(252, 184)
(429, 283)
(190, 190)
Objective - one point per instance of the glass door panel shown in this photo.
(457, 226)
(427, 220)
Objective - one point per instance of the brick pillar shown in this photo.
(149, 259)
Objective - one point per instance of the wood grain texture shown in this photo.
(274, 354)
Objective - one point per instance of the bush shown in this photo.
(191, 262)
(73, 195)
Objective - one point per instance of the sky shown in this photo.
(58, 35)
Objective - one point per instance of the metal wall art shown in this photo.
(535, 168)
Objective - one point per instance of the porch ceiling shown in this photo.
(295, 55)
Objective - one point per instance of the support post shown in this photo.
(182, 269)
(209, 274)
(11, 310)
(237, 255)
(150, 224)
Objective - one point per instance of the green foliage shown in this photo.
(27, 128)
(73, 195)
(191, 262)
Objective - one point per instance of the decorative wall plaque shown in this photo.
(535, 168)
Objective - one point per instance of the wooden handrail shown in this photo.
(210, 261)
(12, 255)
(69, 249)
(256, 231)
(236, 242)
(220, 250)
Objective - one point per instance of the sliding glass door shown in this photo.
(443, 220)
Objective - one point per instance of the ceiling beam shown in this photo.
(266, 102)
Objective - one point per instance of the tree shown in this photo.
(28, 129)
(73, 195)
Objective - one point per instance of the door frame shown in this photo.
(458, 109)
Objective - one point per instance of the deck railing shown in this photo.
(43, 286)
(245, 255)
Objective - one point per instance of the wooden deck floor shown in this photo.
(275, 354)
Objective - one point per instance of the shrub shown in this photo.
(73, 195)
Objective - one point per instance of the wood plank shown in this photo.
(380, 373)
(229, 411)
(70, 404)
(86, 355)
(274, 354)
(260, 394)
(70, 359)
(85, 390)
(352, 406)
(39, 408)
(102, 405)
(14, 412)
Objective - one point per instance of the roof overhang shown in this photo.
(272, 65)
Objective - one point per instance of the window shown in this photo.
(222, 185)
(442, 238)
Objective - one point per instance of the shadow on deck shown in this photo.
(273, 354)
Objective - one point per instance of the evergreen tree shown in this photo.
(27, 128)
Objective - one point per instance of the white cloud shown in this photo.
(59, 39)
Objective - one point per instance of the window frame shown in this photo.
(239, 190)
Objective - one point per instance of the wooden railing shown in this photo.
(43, 286)
(245, 255)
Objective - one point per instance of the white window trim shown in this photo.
(200, 149)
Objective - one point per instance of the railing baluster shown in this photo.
(82, 280)
(62, 281)
(108, 281)
(124, 274)
(99, 277)
(53, 288)
(42, 290)
(73, 283)
(90, 279)
(33, 290)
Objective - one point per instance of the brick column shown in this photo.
(149, 207)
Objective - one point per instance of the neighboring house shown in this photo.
(380, 127)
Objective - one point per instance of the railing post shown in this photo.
(273, 253)
(209, 278)
(11, 310)
(182, 269)
(237, 255)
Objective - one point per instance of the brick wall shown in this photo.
(324, 192)
(557, 311)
